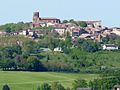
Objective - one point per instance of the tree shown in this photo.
(11, 27)
(82, 24)
(65, 21)
(8, 29)
(68, 41)
(38, 88)
(79, 83)
(6, 87)
(33, 63)
(45, 86)
(8, 64)
(54, 86)
(57, 86)
(17, 49)
(29, 47)
(8, 52)
(60, 87)
(48, 57)
(68, 88)
(71, 21)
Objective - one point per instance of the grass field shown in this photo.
(30, 80)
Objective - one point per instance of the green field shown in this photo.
(30, 80)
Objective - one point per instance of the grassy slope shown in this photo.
(109, 59)
(30, 80)
(11, 40)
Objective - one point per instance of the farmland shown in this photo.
(30, 80)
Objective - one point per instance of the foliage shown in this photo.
(80, 83)
(38, 88)
(33, 63)
(57, 86)
(65, 21)
(12, 27)
(82, 24)
(6, 87)
(45, 86)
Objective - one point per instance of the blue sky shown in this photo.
(21, 10)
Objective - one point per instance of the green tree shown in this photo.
(7, 52)
(82, 24)
(5, 87)
(60, 87)
(38, 88)
(45, 86)
(54, 86)
(68, 88)
(71, 21)
(8, 64)
(29, 47)
(68, 41)
(57, 86)
(7, 29)
(33, 63)
(65, 21)
(80, 83)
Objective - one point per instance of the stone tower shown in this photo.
(36, 17)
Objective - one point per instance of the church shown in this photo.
(39, 21)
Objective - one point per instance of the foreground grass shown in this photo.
(30, 80)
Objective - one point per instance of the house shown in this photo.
(98, 38)
(75, 32)
(60, 31)
(84, 89)
(58, 49)
(85, 35)
(107, 32)
(110, 47)
(116, 87)
(116, 31)
(95, 24)
(23, 32)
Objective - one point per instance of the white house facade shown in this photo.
(110, 47)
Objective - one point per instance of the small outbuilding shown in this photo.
(110, 47)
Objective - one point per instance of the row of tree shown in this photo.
(78, 23)
(12, 27)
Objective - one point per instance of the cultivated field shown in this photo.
(30, 80)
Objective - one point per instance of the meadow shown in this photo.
(30, 80)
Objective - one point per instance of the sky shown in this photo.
(22, 10)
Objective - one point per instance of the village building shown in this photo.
(110, 47)
(58, 49)
(76, 32)
(98, 38)
(60, 31)
(95, 24)
(116, 31)
(84, 36)
(39, 21)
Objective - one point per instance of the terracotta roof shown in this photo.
(50, 19)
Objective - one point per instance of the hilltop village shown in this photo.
(51, 46)
(88, 30)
